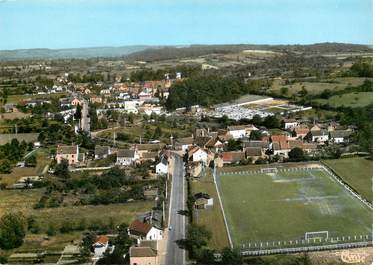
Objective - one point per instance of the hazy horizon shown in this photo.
(177, 46)
(68, 24)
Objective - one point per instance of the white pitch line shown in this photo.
(222, 209)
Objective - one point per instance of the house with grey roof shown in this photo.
(127, 157)
(102, 152)
(146, 252)
(339, 136)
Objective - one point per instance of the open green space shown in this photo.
(15, 99)
(133, 133)
(314, 88)
(24, 200)
(285, 205)
(355, 99)
(212, 217)
(43, 160)
(357, 172)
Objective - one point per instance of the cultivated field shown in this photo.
(357, 172)
(27, 137)
(314, 88)
(284, 206)
(24, 200)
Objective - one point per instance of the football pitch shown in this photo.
(283, 206)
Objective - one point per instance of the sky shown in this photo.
(90, 23)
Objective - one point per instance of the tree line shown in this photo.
(205, 90)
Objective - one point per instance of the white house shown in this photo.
(162, 167)
(131, 106)
(197, 154)
(203, 200)
(237, 131)
(144, 231)
(105, 92)
(100, 246)
(184, 143)
(290, 123)
(320, 136)
(126, 157)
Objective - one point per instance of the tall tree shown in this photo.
(78, 112)
(12, 230)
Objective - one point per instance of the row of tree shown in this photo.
(205, 90)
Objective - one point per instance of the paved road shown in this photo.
(176, 255)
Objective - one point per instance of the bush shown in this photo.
(66, 227)
(51, 231)
(296, 154)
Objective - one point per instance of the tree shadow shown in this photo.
(183, 212)
(182, 243)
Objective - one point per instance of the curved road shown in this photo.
(176, 255)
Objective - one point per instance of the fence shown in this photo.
(305, 248)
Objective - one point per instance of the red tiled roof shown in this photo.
(102, 239)
(139, 227)
(279, 138)
(233, 156)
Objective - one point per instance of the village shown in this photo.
(282, 140)
(113, 161)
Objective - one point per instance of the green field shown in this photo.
(211, 218)
(314, 88)
(358, 99)
(357, 172)
(286, 205)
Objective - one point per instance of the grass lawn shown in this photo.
(212, 217)
(286, 205)
(357, 172)
(358, 99)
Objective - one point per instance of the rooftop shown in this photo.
(66, 149)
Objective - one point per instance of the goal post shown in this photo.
(316, 235)
(266, 170)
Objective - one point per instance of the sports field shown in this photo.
(283, 206)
